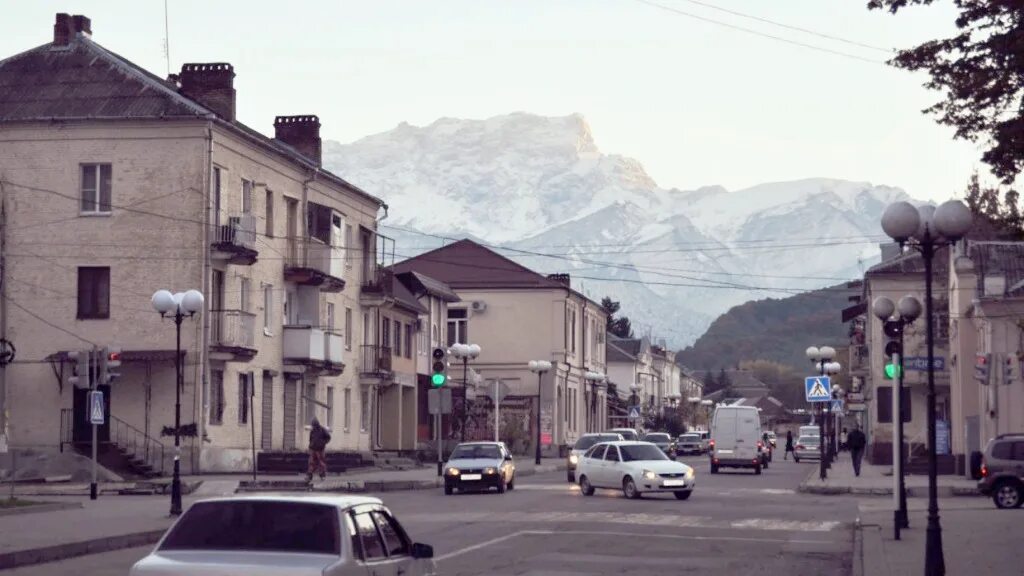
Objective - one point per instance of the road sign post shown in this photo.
(92, 381)
(818, 388)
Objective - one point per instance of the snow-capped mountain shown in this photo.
(541, 191)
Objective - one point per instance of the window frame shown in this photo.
(408, 339)
(244, 397)
(217, 402)
(247, 188)
(96, 189)
(268, 214)
(612, 450)
(380, 517)
(348, 328)
(397, 349)
(98, 310)
(268, 309)
(357, 537)
(347, 422)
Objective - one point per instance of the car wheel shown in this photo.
(448, 490)
(629, 488)
(570, 477)
(757, 469)
(585, 487)
(1007, 495)
(501, 485)
(683, 494)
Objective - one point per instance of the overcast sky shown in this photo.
(697, 103)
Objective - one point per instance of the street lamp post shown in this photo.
(466, 352)
(927, 229)
(707, 404)
(822, 360)
(178, 306)
(596, 379)
(539, 367)
(634, 400)
(904, 313)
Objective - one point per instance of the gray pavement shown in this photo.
(878, 481)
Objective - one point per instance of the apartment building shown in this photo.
(116, 183)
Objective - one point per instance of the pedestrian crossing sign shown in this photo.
(96, 412)
(818, 388)
(634, 413)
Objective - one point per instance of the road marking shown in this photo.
(788, 525)
(484, 544)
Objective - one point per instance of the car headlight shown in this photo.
(490, 471)
(452, 472)
(650, 475)
(690, 474)
(573, 458)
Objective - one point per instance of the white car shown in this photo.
(581, 446)
(293, 535)
(634, 468)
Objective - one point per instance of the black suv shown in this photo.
(1002, 471)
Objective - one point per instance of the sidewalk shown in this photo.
(878, 481)
(115, 522)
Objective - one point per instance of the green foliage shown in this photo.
(620, 326)
(785, 382)
(995, 219)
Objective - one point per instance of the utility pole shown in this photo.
(4, 437)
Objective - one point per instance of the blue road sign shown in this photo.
(634, 413)
(818, 388)
(837, 405)
(96, 411)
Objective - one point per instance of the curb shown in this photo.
(57, 552)
(44, 507)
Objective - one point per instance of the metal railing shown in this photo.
(233, 328)
(67, 427)
(238, 231)
(137, 443)
(306, 252)
(375, 359)
(378, 279)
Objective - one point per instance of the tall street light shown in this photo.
(596, 380)
(466, 352)
(927, 229)
(821, 358)
(178, 306)
(539, 367)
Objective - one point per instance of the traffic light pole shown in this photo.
(176, 479)
(93, 381)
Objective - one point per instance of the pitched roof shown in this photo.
(85, 81)
(615, 354)
(466, 265)
(999, 259)
(420, 282)
(405, 298)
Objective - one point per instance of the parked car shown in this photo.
(582, 445)
(705, 440)
(1002, 471)
(626, 433)
(807, 448)
(736, 439)
(811, 430)
(293, 535)
(663, 441)
(634, 468)
(689, 443)
(479, 466)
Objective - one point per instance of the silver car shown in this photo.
(807, 448)
(287, 535)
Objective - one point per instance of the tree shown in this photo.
(620, 326)
(710, 385)
(981, 72)
(610, 307)
(995, 219)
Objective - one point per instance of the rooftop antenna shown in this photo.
(167, 40)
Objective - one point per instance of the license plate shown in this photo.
(674, 483)
(725, 451)
(471, 476)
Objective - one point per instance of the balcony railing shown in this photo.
(304, 344)
(239, 231)
(378, 279)
(375, 359)
(233, 328)
(314, 262)
(334, 345)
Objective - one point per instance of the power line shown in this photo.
(47, 322)
(758, 33)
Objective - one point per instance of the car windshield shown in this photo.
(261, 525)
(627, 434)
(588, 441)
(657, 438)
(690, 438)
(476, 451)
(635, 452)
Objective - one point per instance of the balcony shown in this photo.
(232, 335)
(235, 241)
(312, 262)
(304, 346)
(334, 345)
(375, 362)
(377, 286)
(860, 360)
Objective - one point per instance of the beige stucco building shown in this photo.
(117, 183)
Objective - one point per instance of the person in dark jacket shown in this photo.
(319, 436)
(789, 444)
(856, 441)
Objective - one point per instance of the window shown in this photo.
(348, 328)
(394, 538)
(330, 316)
(310, 402)
(884, 401)
(458, 326)
(349, 247)
(408, 340)
(246, 196)
(216, 195)
(597, 452)
(366, 538)
(96, 188)
(1002, 450)
(216, 397)
(348, 409)
(269, 214)
(243, 294)
(268, 309)
(385, 332)
(1018, 451)
(398, 338)
(330, 407)
(93, 293)
(244, 397)
(612, 455)
(572, 337)
(364, 410)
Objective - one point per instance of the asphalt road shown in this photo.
(735, 523)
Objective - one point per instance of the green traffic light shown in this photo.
(891, 371)
(437, 380)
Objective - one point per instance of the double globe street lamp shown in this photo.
(178, 306)
(539, 367)
(466, 352)
(596, 380)
(821, 358)
(927, 229)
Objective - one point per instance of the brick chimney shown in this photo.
(66, 27)
(561, 279)
(212, 85)
(301, 133)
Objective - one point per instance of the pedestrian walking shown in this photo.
(856, 441)
(319, 436)
(789, 444)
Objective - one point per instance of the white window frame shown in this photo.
(268, 309)
(247, 187)
(348, 328)
(348, 409)
(330, 316)
(330, 407)
(95, 189)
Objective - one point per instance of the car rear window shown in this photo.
(258, 525)
(1003, 450)
(587, 441)
(657, 438)
(689, 438)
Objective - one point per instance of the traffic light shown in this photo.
(109, 357)
(81, 377)
(893, 329)
(440, 368)
(1008, 369)
(981, 371)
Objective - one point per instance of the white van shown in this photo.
(735, 434)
